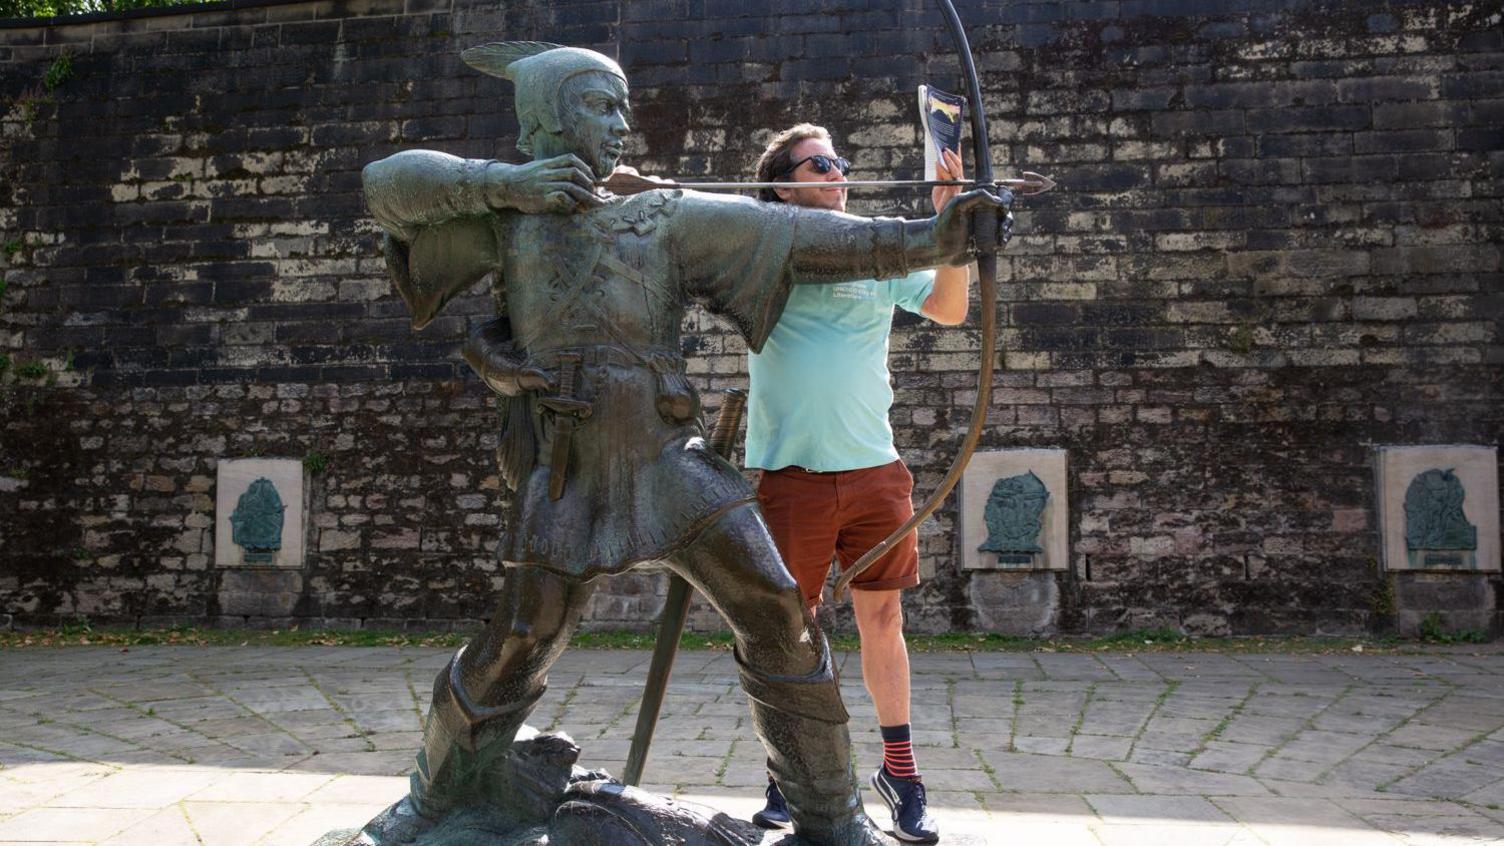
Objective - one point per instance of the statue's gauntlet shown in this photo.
(499, 363)
(831, 247)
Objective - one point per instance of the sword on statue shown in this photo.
(676, 608)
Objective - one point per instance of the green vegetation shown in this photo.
(32, 370)
(1382, 602)
(315, 462)
(81, 633)
(1433, 630)
(1241, 340)
(4, 363)
(59, 72)
(49, 8)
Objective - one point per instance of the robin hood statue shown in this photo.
(602, 439)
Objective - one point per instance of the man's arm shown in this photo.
(948, 301)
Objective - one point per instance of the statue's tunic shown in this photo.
(609, 285)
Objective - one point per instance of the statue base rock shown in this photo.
(552, 802)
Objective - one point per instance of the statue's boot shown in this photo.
(802, 722)
(462, 741)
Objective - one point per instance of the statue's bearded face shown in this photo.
(593, 113)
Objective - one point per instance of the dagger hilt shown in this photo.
(727, 421)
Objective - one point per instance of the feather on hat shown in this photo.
(494, 58)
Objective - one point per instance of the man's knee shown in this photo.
(878, 611)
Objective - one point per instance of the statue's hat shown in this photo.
(538, 69)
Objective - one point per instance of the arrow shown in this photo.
(626, 183)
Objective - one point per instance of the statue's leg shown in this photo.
(489, 687)
(787, 673)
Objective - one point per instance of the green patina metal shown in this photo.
(602, 440)
(1014, 513)
(256, 523)
(1437, 532)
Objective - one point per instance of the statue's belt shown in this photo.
(593, 356)
(676, 402)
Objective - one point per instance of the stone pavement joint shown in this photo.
(261, 746)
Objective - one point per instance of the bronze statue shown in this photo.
(602, 439)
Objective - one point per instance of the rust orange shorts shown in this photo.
(815, 517)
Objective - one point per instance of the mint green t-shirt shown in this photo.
(820, 387)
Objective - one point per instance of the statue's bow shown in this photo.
(987, 243)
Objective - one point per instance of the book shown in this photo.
(941, 114)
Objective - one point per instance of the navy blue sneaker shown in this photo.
(905, 800)
(776, 814)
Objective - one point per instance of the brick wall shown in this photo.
(1276, 243)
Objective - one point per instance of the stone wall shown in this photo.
(1275, 244)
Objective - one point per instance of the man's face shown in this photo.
(832, 198)
(594, 117)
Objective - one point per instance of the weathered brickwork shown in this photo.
(1276, 243)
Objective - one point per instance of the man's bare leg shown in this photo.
(885, 670)
(885, 656)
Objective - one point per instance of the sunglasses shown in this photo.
(821, 165)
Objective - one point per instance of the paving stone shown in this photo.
(261, 787)
(140, 787)
(1423, 735)
(1229, 757)
(261, 722)
(166, 827)
(1449, 778)
(1157, 810)
(392, 762)
(1364, 774)
(1462, 826)
(1097, 746)
(1163, 757)
(1288, 769)
(969, 782)
(1041, 745)
(1041, 773)
(1255, 728)
(86, 824)
(1324, 746)
(1178, 780)
(1302, 822)
(357, 790)
(229, 824)
(1111, 834)
(313, 822)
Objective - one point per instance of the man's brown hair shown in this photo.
(777, 158)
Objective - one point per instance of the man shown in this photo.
(832, 484)
(602, 442)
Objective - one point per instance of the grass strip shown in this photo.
(1137, 641)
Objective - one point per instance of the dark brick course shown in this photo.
(1276, 243)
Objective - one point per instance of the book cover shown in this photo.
(941, 114)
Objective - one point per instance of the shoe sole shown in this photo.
(772, 825)
(891, 800)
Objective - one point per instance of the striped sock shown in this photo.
(898, 752)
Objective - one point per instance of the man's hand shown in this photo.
(955, 224)
(562, 185)
(490, 353)
(948, 167)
